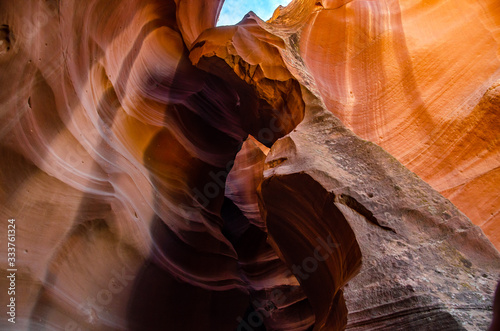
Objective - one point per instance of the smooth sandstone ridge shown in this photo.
(166, 174)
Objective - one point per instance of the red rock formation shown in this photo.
(133, 144)
(420, 79)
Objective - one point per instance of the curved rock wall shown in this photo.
(165, 174)
(420, 79)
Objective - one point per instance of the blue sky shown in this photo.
(234, 10)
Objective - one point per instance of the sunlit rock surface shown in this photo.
(168, 175)
(420, 79)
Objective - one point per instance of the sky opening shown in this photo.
(233, 10)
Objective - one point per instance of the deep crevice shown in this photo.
(5, 38)
(301, 226)
(360, 209)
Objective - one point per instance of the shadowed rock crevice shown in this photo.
(270, 102)
(163, 300)
(359, 208)
(270, 306)
(302, 228)
(276, 299)
(5, 39)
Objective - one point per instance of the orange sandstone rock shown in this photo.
(418, 78)
(166, 174)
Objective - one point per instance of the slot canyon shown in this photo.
(336, 167)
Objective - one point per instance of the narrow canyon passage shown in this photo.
(167, 174)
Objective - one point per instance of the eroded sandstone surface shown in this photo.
(165, 174)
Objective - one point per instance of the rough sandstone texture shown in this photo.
(168, 175)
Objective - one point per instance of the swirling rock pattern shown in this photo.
(168, 175)
(407, 76)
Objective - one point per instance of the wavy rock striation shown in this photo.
(166, 174)
(407, 76)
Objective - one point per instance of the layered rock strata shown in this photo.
(165, 174)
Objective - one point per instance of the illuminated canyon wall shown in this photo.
(164, 174)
